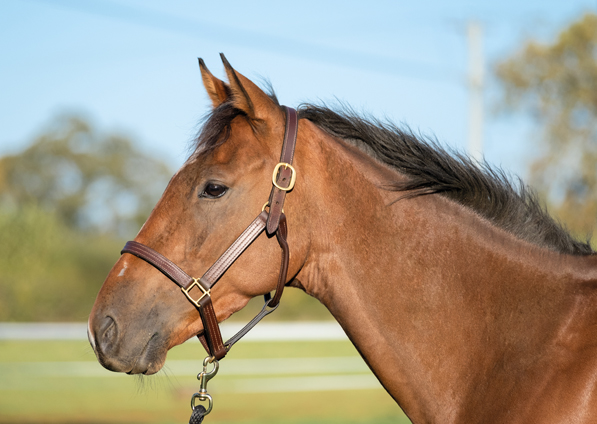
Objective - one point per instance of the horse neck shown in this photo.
(445, 308)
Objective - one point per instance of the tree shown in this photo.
(91, 180)
(48, 271)
(556, 84)
(66, 202)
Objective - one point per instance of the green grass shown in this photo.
(31, 392)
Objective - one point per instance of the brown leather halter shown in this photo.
(197, 290)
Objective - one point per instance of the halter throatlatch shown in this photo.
(198, 290)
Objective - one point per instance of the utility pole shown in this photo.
(476, 83)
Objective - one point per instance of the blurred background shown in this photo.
(101, 99)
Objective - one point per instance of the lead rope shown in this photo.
(197, 415)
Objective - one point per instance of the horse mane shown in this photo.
(430, 169)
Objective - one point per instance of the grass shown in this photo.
(40, 382)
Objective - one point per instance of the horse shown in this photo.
(468, 302)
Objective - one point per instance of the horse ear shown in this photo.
(216, 89)
(246, 96)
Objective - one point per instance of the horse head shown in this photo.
(139, 314)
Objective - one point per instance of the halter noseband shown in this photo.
(198, 290)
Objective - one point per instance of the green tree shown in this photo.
(89, 179)
(556, 83)
(48, 271)
(66, 203)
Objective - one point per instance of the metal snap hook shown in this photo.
(204, 377)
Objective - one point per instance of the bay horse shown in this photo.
(465, 298)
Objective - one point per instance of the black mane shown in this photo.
(429, 169)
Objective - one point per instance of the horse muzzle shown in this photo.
(140, 353)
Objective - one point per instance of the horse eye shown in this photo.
(213, 191)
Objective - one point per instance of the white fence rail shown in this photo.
(250, 375)
(265, 331)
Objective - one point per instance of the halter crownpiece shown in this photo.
(198, 290)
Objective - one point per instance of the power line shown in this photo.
(256, 40)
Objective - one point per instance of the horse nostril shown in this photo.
(106, 334)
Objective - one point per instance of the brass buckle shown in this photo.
(188, 295)
(292, 178)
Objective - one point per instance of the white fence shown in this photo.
(264, 331)
(275, 374)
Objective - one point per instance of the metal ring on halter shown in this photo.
(187, 290)
(267, 205)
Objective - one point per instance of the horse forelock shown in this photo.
(431, 169)
(215, 129)
(216, 126)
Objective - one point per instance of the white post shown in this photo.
(475, 79)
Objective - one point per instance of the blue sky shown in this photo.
(131, 66)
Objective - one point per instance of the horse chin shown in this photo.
(144, 364)
(147, 366)
(149, 362)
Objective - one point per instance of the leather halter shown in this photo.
(198, 290)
